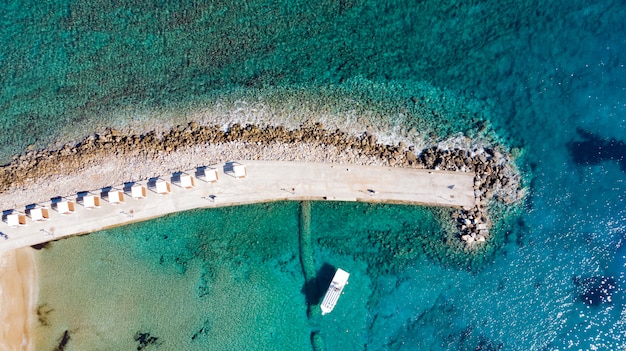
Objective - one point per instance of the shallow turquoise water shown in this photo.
(231, 278)
(221, 280)
(542, 73)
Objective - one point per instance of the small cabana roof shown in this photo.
(207, 174)
(187, 181)
(211, 175)
(115, 196)
(163, 187)
(16, 219)
(91, 201)
(65, 207)
(39, 214)
(239, 170)
(138, 191)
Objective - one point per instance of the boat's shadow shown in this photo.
(315, 288)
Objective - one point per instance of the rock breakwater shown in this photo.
(496, 176)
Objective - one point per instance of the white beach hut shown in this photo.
(91, 201)
(208, 175)
(187, 181)
(211, 175)
(39, 214)
(115, 197)
(138, 191)
(16, 220)
(163, 187)
(239, 170)
(65, 207)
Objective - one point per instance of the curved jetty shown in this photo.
(232, 183)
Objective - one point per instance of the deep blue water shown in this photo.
(548, 76)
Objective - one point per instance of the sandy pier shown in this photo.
(265, 181)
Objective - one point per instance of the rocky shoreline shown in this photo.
(496, 176)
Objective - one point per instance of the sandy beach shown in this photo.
(17, 299)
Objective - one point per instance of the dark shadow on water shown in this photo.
(314, 289)
(592, 149)
(41, 246)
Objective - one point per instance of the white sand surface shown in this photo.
(17, 299)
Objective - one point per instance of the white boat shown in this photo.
(334, 291)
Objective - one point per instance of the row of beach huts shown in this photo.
(66, 205)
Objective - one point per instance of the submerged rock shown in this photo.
(145, 340)
(63, 341)
(595, 291)
(592, 149)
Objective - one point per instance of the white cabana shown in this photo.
(211, 175)
(163, 187)
(39, 214)
(91, 201)
(115, 197)
(16, 220)
(239, 170)
(187, 181)
(208, 175)
(138, 191)
(65, 207)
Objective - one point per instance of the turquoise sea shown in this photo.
(545, 77)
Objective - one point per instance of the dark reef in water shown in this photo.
(595, 291)
(439, 318)
(42, 314)
(592, 149)
(203, 331)
(317, 342)
(145, 340)
(63, 341)
(203, 288)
